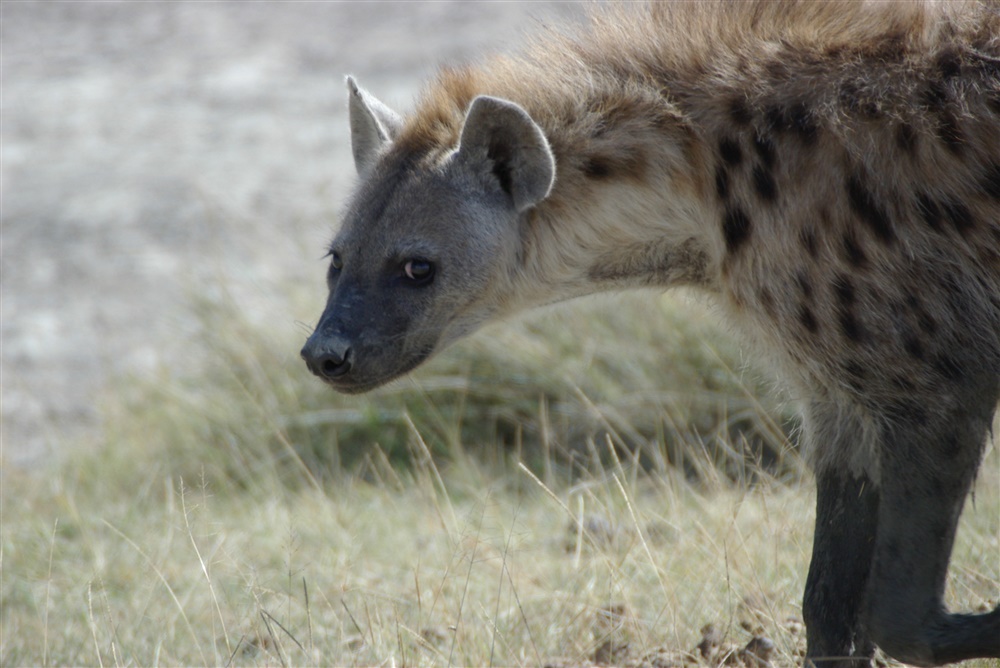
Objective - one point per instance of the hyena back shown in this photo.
(829, 173)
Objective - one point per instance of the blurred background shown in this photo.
(152, 151)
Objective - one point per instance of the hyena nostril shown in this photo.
(327, 357)
(333, 367)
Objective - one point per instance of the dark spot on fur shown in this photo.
(959, 215)
(949, 63)
(916, 413)
(989, 256)
(929, 211)
(924, 320)
(730, 151)
(990, 183)
(835, 51)
(767, 301)
(906, 138)
(857, 376)
(949, 281)
(808, 320)
(868, 210)
(778, 69)
(948, 367)
(913, 346)
(856, 385)
(934, 96)
(855, 370)
(597, 168)
(850, 327)
(910, 411)
(778, 119)
(765, 148)
(903, 383)
(808, 239)
(844, 290)
(849, 95)
(764, 184)
(804, 124)
(735, 228)
(626, 162)
(853, 252)
(805, 287)
(852, 99)
(824, 217)
(722, 182)
(740, 112)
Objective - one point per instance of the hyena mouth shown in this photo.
(348, 375)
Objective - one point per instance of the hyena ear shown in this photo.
(499, 137)
(373, 125)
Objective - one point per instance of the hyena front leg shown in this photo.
(843, 544)
(926, 472)
(846, 513)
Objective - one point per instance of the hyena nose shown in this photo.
(327, 361)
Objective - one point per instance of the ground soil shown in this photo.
(155, 150)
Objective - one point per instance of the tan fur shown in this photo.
(827, 172)
(635, 101)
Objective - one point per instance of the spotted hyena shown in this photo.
(829, 173)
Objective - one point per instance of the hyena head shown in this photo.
(428, 242)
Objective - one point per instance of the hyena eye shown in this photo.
(419, 271)
(336, 262)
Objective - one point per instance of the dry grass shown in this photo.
(209, 529)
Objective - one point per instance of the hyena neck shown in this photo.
(628, 213)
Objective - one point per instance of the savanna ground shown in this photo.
(594, 484)
(597, 483)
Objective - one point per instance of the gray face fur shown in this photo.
(425, 246)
